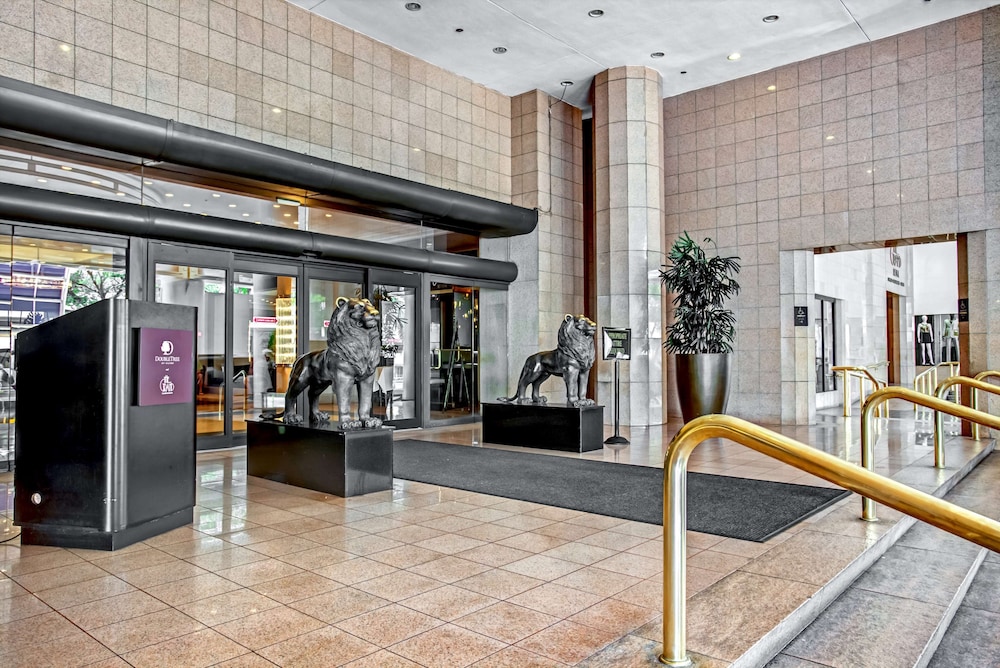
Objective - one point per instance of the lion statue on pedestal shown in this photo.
(353, 350)
(572, 360)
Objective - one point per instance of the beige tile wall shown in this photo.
(882, 141)
(228, 65)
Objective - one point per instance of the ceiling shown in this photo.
(551, 41)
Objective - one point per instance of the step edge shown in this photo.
(949, 614)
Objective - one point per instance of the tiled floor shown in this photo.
(270, 574)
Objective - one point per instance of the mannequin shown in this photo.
(949, 340)
(925, 337)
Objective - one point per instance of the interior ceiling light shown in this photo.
(95, 183)
(770, 18)
(656, 54)
(64, 47)
(733, 56)
(413, 6)
(287, 202)
(772, 87)
(187, 204)
(684, 71)
(499, 49)
(595, 13)
(459, 29)
(67, 168)
(43, 180)
(565, 83)
(216, 195)
(276, 110)
(168, 194)
(830, 137)
(232, 206)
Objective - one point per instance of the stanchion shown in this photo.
(617, 442)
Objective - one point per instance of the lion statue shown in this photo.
(572, 360)
(352, 353)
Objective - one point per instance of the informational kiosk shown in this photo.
(105, 430)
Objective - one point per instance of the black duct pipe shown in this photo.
(31, 205)
(49, 113)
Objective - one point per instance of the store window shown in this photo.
(454, 348)
(826, 379)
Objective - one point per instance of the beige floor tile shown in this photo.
(34, 630)
(710, 560)
(397, 586)
(542, 567)
(246, 661)
(222, 608)
(613, 540)
(579, 553)
(268, 627)
(59, 577)
(20, 607)
(616, 616)
(282, 546)
(382, 659)
(258, 572)
(84, 592)
(388, 625)
(339, 604)
(10, 589)
(410, 533)
(231, 557)
(499, 584)
(808, 556)
(68, 651)
(305, 524)
(532, 541)
(114, 609)
(378, 525)
(449, 523)
(515, 657)
(130, 561)
(567, 642)
(599, 581)
(450, 543)
(150, 576)
(353, 571)
(447, 646)
(489, 532)
(494, 554)
(631, 564)
(646, 594)
(448, 602)
(367, 544)
(316, 557)
(566, 531)
(449, 569)
(253, 535)
(506, 622)
(318, 649)
(192, 589)
(332, 534)
(192, 548)
(555, 599)
(296, 587)
(406, 556)
(142, 631)
(195, 650)
(32, 562)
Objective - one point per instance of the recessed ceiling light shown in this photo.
(148, 183)
(656, 54)
(772, 87)
(43, 180)
(733, 56)
(120, 194)
(277, 206)
(187, 204)
(288, 215)
(287, 201)
(770, 18)
(67, 168)
(684, 71)
(566, 83)
(276, 110)
(830, 137)
(459, 29)
(168, 194)
(499, 49)
(329, 215)
(64, 47)
(413, 6)
(96, 183)
(246, 215)
(595, 13)
(216, 195)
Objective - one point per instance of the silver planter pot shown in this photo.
(703, 383)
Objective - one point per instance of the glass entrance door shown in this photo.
(396, 295)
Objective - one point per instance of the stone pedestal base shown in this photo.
(553, 427)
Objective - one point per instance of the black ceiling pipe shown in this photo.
(31, 205)
(56, 115)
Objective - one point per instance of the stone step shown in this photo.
(896, 614)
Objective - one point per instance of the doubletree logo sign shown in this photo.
(168, 357)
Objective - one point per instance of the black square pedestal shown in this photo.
(325, 459)
(552, 427)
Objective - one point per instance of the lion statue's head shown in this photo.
(576, 338)
(353, 335)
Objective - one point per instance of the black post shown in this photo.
(617, 439)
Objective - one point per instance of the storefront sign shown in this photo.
(166, 366)
(801, 316)
(617, 343)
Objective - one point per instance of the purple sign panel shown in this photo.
(166, 366)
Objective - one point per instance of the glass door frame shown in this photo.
(421, 374)
(166, 253)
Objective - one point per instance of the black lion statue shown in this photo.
(352, 353)
(572, 360)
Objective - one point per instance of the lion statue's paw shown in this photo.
(583, 402)
(320, 417)
(372, 423)
(293, 418)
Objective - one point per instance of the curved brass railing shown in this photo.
(953, 519)
(981, 376)
(862, 373)
(924, 383)
(934, 403)
(966, 382)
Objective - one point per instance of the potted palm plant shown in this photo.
(701, 335)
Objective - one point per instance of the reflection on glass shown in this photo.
(826, 380)
(394, 381)
(205, 289)
(41, 279)
(264, 350)
(454, 348)
(323, 296)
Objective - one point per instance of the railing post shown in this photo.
(675, 559)
(845, 376)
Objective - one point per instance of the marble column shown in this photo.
(628, 162)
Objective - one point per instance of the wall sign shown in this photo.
(166, 366)
(617, 343)
(801, 316)
(963, 310)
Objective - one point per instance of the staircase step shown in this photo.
(896, 614)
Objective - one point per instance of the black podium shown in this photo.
(548, 426)
(322, 458)
(105, 431)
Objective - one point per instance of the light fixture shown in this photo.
(459, 29)
(187, 204)
(168, 194)
(770, 18)
(772, 87)
(656, 54)
(287, 201)
(413, 6)
(499, 49)
(95, 183)
(276, 110)
(148, 183)
(64, 47)
(565, 83)
(120, 194)
(216, 195)
(416, 150)
(246, 215)
(67, 168)
(43, 180)
(329, 215)
(684, 71)
(232, 206)
(595, 13)
(830, 137)
(733, 56)
(288, 215)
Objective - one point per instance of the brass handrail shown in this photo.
(934, 403)
(968, 382)
(981, 376)
(942, 514)
(862, 373)
(925, 382)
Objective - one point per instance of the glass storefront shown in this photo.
(323, 295)
(454, 348)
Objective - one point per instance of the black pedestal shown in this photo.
(552, 427)
(342, 463)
